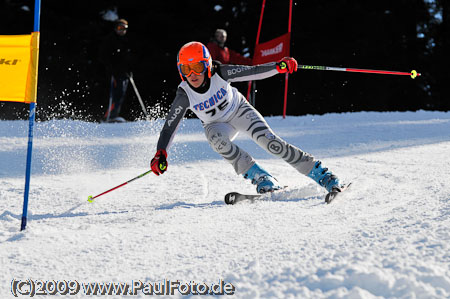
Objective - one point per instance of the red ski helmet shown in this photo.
(193, 57)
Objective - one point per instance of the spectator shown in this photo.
(116, 55)
(221, 53)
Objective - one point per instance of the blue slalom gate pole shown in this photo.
(28, 167)
(31, 118)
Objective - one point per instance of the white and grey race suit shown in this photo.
(225, 112)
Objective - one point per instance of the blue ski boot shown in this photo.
(324, 177)
(262, 179)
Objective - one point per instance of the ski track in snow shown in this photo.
(387, 237)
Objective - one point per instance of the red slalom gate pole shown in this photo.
(287, 74)
(91, 198)
(257, 42)
(413, 74)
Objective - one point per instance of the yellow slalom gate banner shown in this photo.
(19, 56)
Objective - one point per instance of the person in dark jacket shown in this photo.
(116, 55)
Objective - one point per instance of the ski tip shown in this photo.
(329, 198)
(230, 198)
(90, 199)
(331, 195)
(344, 187)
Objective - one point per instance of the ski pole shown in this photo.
(138, 95)
(413, 74)
(91, 198)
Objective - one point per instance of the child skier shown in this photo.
(224, 112)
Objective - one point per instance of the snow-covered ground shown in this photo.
(388, 237)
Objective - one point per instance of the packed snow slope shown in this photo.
(387, 237)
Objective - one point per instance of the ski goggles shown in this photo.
(121, 27)
(197, 68)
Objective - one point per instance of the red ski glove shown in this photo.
(287, 65)
(159, 162)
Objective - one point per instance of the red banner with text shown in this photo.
(272, 50)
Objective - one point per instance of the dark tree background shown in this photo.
(380, 34)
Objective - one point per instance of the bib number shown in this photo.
(221, 107)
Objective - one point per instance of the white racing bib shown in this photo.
(217, 104)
